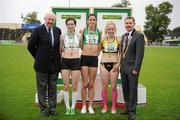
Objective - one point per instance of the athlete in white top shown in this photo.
(70, 65)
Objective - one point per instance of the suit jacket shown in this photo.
(135, 53)
(47, 58)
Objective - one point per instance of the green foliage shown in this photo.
(31, 18)
(123, 3)
(157, 21)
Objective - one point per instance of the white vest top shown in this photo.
(71, 43)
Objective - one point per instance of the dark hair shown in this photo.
(92, 15)
(71, 18)
(130, 17)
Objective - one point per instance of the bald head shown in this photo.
(49, 19)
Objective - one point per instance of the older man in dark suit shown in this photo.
(44, 47)
(132, 53)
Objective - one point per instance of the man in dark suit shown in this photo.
(44, 47)
(132, 53)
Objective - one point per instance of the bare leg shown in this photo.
(85, 74)
(75, 77)
(65, 77)
(104, 78)
(114, 77)
(92, 78)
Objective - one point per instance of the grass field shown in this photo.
(160, 74)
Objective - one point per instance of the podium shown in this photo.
(98, 88)
(141, 94)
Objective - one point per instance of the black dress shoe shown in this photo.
(124, 112)
(45, 113)
(52, 112)
(131, 116)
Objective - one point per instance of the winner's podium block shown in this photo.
(141, 94)
(98, 89)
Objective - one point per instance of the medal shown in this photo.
(91, 37)
(110, 47)
(71, 40)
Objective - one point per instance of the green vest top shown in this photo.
(91, 38)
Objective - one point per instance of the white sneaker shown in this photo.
(83, 110)
(113, 111)
(90, 109)
(104, 110)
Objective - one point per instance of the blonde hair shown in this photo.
(107, 24)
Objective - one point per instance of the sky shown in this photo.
(11, 10)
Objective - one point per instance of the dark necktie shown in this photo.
(126, 41)
(49, 34)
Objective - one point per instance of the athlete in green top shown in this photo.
(89, 61)
(91, 38)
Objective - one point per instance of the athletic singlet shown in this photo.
(110, 47)
(71, 43)
(91, 38)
